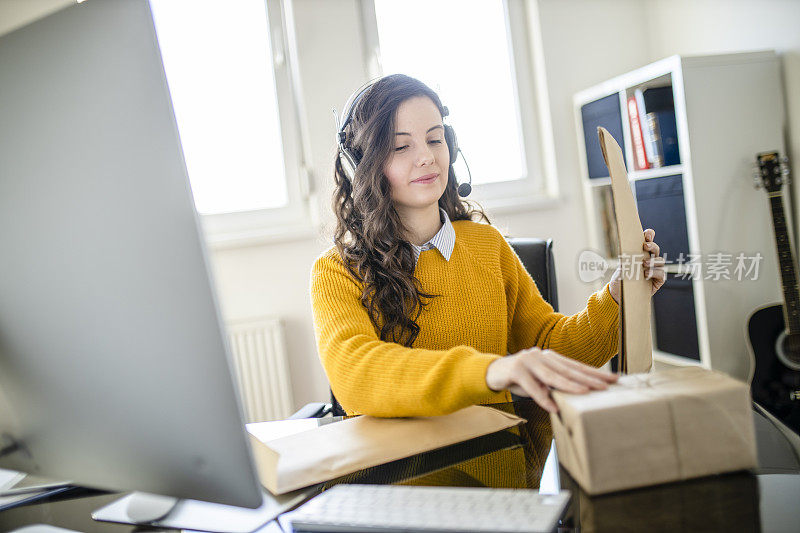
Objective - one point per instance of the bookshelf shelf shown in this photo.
(673, 360)
(656, 172)
(641, 175)
(711, 116)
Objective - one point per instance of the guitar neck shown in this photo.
(786, 263)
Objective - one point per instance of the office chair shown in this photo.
(537, 258)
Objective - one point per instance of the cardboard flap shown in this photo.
(635, 347)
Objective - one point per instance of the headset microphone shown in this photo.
(465, 188)
(452, 145)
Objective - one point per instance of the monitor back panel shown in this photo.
(113, 366)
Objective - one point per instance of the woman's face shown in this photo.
(417, 169)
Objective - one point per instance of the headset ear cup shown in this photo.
(349, 163)
(346, 169)
(452, 142)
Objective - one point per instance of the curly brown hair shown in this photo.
(369, 234)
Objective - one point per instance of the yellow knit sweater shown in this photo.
(488, 306)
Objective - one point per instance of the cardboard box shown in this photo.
(655, 428)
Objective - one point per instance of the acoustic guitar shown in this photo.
(773, 331)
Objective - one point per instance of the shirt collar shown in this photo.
(444, 240)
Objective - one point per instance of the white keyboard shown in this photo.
(386, 508)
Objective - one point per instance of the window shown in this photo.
(474, 54)
(225, 63)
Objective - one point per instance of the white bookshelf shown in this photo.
(727, 108)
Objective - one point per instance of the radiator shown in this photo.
(262, 368)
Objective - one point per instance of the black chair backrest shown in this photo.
(537, 258)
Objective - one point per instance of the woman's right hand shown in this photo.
(534, 372)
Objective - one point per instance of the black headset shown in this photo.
(349, 159)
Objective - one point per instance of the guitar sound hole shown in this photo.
(788, 349)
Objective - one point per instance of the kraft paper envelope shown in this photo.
(327, 452)
(635, 344)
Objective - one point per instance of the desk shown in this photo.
(766, 500)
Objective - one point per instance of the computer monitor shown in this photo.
(114, 369)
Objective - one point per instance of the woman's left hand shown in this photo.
(653, 267)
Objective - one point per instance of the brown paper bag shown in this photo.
(635, 346)
(654, 428)
(298, 460)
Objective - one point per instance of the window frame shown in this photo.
(241, 228)
(537, 187)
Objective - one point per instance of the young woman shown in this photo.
(418, 305)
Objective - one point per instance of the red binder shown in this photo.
(639, 154)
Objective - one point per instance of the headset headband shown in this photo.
(350, 105)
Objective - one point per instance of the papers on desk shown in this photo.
(9, 502)
(43, 528)
(17, 488)
(311, 456)
(9, 478)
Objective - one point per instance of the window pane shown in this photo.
(217, 58)
(461, 49)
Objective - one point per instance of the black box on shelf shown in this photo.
(604, 112)
(661, 207)
(675, 319)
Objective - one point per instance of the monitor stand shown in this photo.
(146, 508)
(139, 508)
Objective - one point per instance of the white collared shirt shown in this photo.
(444, 240)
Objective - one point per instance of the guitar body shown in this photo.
(775, 387)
